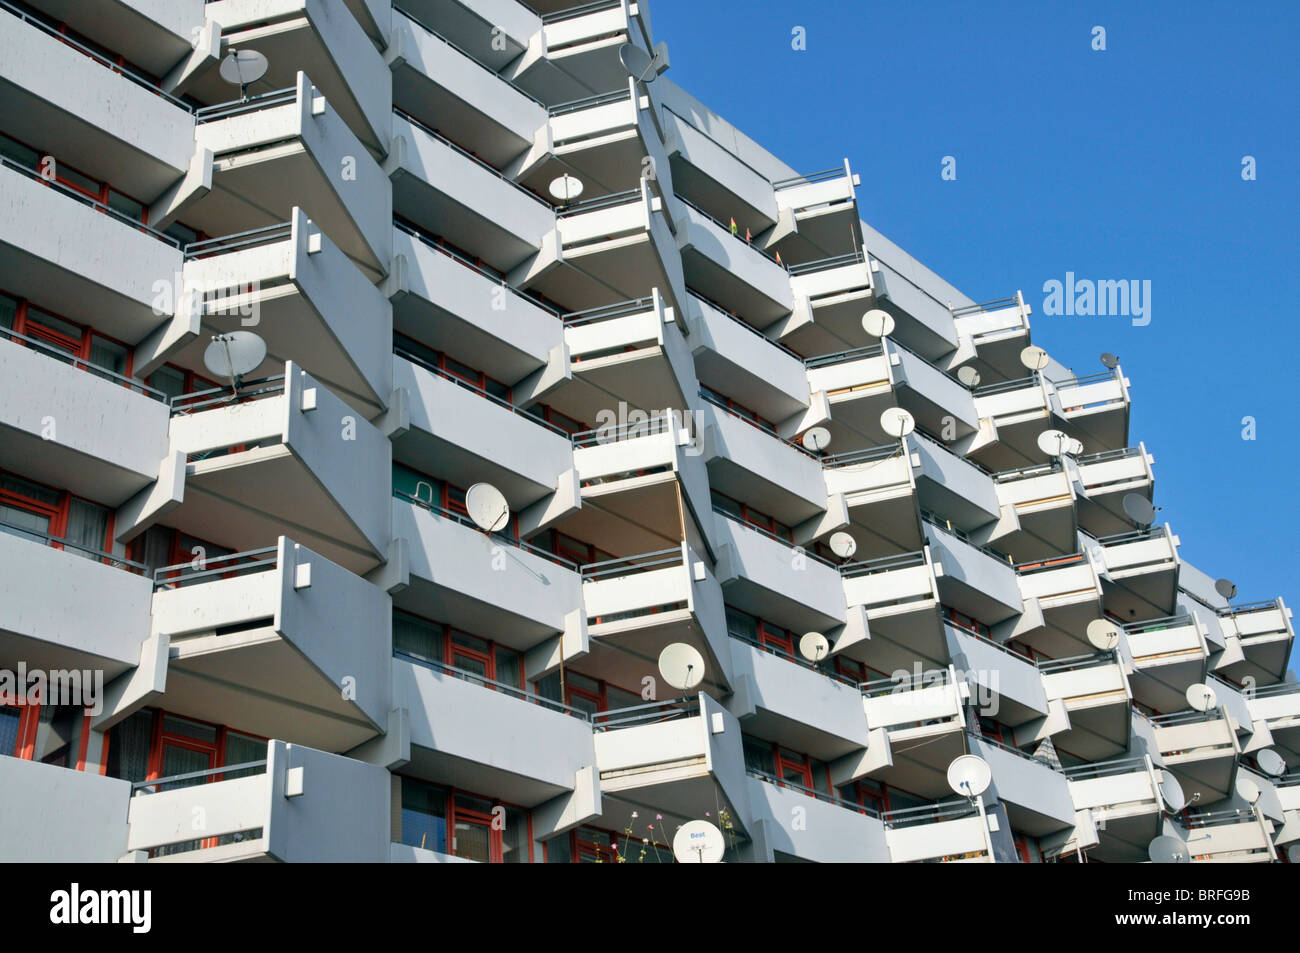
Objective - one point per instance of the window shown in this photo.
(763, 634)
(481, 829)
(46, 515)
(739, 410)
(590, 695)
(58, 336)
(966, 622)
(751, 516)
(468, 654)
(451, 367)
(780, 764)
(567, 547)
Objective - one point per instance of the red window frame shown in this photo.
(78, 348)
(58, 514)
(489, 658)
(756, 518)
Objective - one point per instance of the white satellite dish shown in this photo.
(969, 775)
(1054, 443)
(897, 422)
(1171, 792)
(234, 354)
(1248, 790)
(1103, 635)
(639, 64)
(1272, 763)
(1201, 696)
(1110, 360)
(487, 507)
(1138, 509)
(1167, 850)
(878, 323)
(843, 545)
(1034, 358)
(813, 646)
(243, 68)
(968, 376)
(682, 666)
(1226, 588)
(817, 439)
(566, 188)
(698, 842)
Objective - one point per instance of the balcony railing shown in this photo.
(465, 53)
(742, 322)
(607, 435)
(928, 814)
(1248, 607)
(86, 200)
(49, 350)
(1105, 456)
(967, 631)
(1158, 625)
(998, 305)
(835, 799)
(626, 197)
(583, 10)
(872, 454)
(840, 357)
(826, 175)
(206, 568)
(466, 385)
(1034, 470)
(1046, 565)
(726, 228)
(1011, 749)
(1003, 387)
(653, 713)
(183, 404)
(279, 97)
(721, 405)
(870, 567)
(630, 565)
(773, 536)
(469, 523)
(512, 690)
(946, 525)
(607, 312)
(1076, 381)
(1076, 663)
(799, 660)
(213, 775)
(60, 542)
(1105, 769)
(266, 235)
(825, 264)
(591, 102)
(905, 682)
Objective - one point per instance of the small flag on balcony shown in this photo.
(778, 259)
(735, 229)
(747, 237)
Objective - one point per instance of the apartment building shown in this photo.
(492, 242)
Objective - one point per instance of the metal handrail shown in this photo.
(629, 565)
(274, 385)
(118, 562)
(574, 13)
(465, 153)
(467, 522)
(1101, 456)
(1076, 381)
(1268, 691)
(1248, 607)
(946, 525)
(606, 312)
(669, 710)
(811, 178)
(1076, 662)
(279, 97)
(981, 637)
(85, 199)
(835, 799)
(839, 357)
(928, 813)
(929, 437)
(985, 739)
(1045, 565)
(151, 787)
(64, 357)
(790, 657)
(493, 684)
(408, 229)
(999, 305)
(465, 53)
(909, 682)
(432, 368)
(258, 563)
(626, 197)
(591, 102)
(825, 264)
(1033, 380)
(1158, 625)
(869, 567)
(849, 457)
(1035, 469)
(226, 243)
(772, 536)
(125, 71)
(1105, 769)
(1187, 717)
(726, 228)
(1136, 536)
(718, 402)
(607, 435)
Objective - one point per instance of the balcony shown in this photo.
(921, 317)
(977, 581)
(472, 733)
(950, 484)
(1004, 683)
(1098, 701)
(101, 438)
(306, 300)
(267, 638)
(879, 491)
(578, 50)
(1167, 655)
(322, 39)
(998, 331)
(859, 385)
(1035, 792)
(438, 184)
(155, 36)
(939, 402)
(465, 578)
(950, 831)
(1094, 408)
(1263, 632)
(54, 815)
(441, 84)
(830, 296)
(748, 462)
(286, 457)
(1123, 800)
(682, 759)
(1278, 706)
(86, 258)
(782, 699)
(611, 250)
(297, 806)
(901, 598)
(769, 577)
(1200, 749)
(290, 149)
(104, 630)
(1226, 837)
(830, 830)
(89, 111)
(1139, 573)
(1061, 596)
(917, 726)
(823, 208)
(727, 269)
(638, 606)
(1014, 413)
(1042, 498)
(1106, 478)
(467, 435)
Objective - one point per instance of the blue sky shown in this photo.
(1117, 164)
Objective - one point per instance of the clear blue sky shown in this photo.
(1124, 163)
